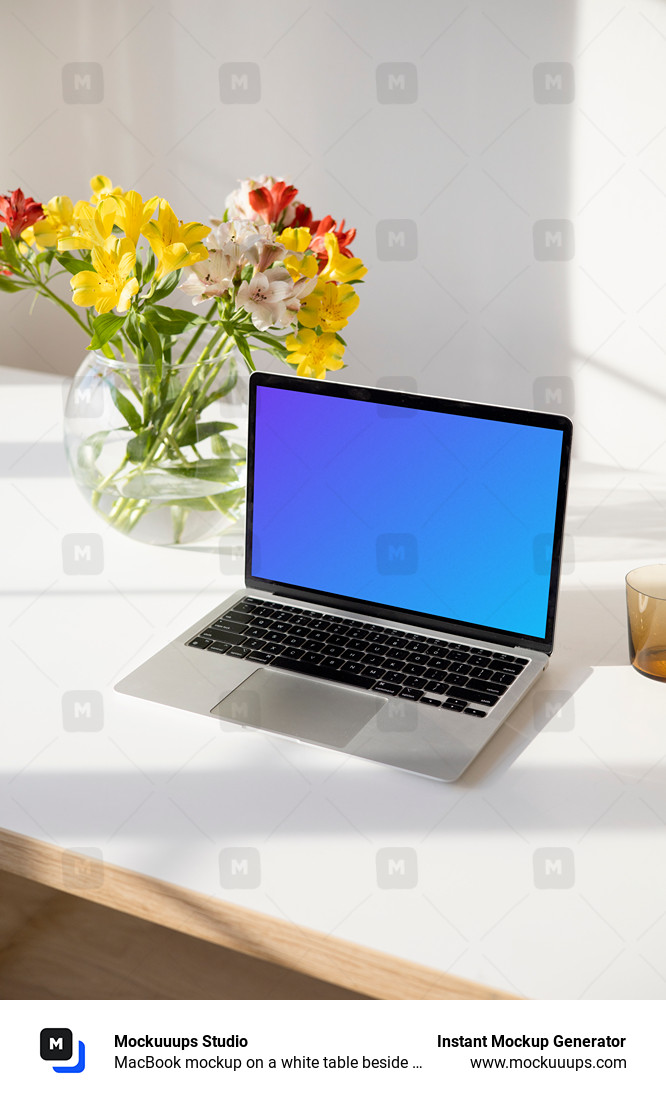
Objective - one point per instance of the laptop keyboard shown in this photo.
(435, 672)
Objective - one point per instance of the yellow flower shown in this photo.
(342, 269)
(175, 244)
(313, 354)
(297, 241)
(131, 213)
(112, 283)
(59, 220)
(101, 186)
(329, 306)
(92, 226)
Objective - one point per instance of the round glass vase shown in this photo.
(159, 451)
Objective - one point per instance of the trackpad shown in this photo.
(310, 710)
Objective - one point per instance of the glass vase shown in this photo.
(159, 450)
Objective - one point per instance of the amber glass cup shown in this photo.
(646, 614)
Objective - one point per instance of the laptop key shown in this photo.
(436, 688)
(411, 693)
(470, 696)
(477, 659)
(255, 632)
(415, 670)
(476, 713)
(394, 677)
(376, 648)
(431, 702)
(486, 685)
(292, 653)
(332, 662)
(352, 666)
(216, 635)
(438, 662)
(502, 666)
(259, 658)
(385, 688)
(273, 648)
(455, 679)
(449, 705)
(456, 666)
(503, 677)
(336, 675)
(354, 654)
(415, 681)
(200, 643)
(234, 616)
(238, 651)
(332, 650)
(374, 671)
(222, 627)
(218, 647)
(391, 663)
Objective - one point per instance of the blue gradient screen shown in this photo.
(431, 512)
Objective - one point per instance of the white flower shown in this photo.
(299, 290)
(265, 297)
(211, 278)
(238, 202)
(248, 242)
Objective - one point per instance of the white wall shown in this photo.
(473, 159)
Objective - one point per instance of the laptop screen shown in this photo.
(449, 514)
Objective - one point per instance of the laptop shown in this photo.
(401, 575)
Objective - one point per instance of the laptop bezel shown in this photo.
(435, 404)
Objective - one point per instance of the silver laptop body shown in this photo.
(385, 682)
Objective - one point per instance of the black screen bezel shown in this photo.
(433, 404)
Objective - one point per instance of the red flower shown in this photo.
(269, 202)
(19, 213)
(328, 225)
(302, 217)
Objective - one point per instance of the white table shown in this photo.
(539, 874)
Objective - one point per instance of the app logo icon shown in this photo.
(56, 1044)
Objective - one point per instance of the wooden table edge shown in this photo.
(271, 939)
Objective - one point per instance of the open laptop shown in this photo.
(402, 569)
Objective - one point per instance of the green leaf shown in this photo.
(175, 484)
(125, 407)
(105, 328)
(208, 469)
(239, 450)
(164, 287)
(197, 432)
(172, 321)
(215, 502)
(10, 251)
(244, 349)
(277, 350)
(71, 264)
(220, 446)
(8, 285)
(139, 445)
(149, 267)
(152, 336)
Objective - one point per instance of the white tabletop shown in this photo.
(540, 873)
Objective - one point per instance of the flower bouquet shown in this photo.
(149, 434)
